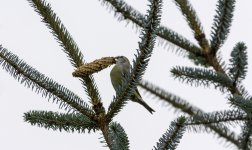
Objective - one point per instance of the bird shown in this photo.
(117, 75)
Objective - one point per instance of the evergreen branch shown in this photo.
(229, 116)
(243, 91)
(222, 23)
(172, 99)
(118, 137)
(58, 121)
(69, 47)
(224, 132)
(59, 31)
(178, 40)
(172, 136)
(198, 60)
(205, 77)
(220, 128)
(193, 22)
(38, 82)
(126, 12)
(246, 138)
(142, 58)
(239, 62)
(243, 103)
(186, 107)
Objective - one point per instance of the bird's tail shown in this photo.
(145, 105)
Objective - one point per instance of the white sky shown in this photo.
(99, 34)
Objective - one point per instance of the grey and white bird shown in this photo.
(117, 74)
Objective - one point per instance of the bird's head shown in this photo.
(122, 60)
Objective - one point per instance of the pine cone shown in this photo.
(93, 67)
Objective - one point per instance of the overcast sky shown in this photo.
(99, 34)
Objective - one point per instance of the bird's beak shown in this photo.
(116, 58)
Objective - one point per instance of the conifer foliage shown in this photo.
(81, 116)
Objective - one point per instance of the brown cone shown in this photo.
(93, 67)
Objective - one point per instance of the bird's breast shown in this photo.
(116, 77)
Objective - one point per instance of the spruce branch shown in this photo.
(227, 116)
(191, 110)
(124, 11)
(38, 82)
(219, 120)
(104, 126)
(226, 83)
(58, 30)
(220, 128)
(222, 23)
(239, 63)
(118, 137)
(193, 22)
(141, 58)
(69, 47)
(113, 133)
(93, 67)
(198, 60)
(172, 136)
(243, 91)
(245, 139)
(205, 77)
(172, 99)
(243, 103)
(71, 122)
